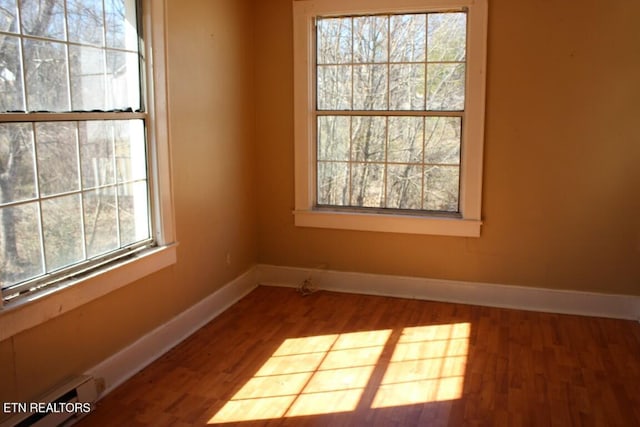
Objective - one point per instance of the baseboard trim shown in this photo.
(485, 294)
(123, 365)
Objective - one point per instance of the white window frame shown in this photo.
(469, 221)
(69, 294)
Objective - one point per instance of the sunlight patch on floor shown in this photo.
(308, 376)
(329, 373)
(427, 365)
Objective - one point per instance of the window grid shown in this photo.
(119, 183)
(81, 192)
(23, 36)
(352, 163)
(321, 110)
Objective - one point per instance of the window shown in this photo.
(389, 112)
(83, 151)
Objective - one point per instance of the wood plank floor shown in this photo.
(329, 359)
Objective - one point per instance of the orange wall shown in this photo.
(561, 184)
(211, 111)
(561, 189)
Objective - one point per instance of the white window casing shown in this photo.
(468, 222)
(68, 294)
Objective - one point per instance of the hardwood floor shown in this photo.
(329, 359)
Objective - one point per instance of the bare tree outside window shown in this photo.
(390, 99)
(71, 189)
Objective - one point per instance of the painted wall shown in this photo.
(561, 189)
(211, 111)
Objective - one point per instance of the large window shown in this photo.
(77, 141)
(389, 113)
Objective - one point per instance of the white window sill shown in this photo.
(59, 299)
(410, 224)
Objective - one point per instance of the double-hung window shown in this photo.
(80, 157)
(389, 110)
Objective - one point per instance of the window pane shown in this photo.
(408, 38)
(87, 78)
(21, 255)
(57, 149)
(368, 138)
(11, 84)
(18, 177)
(367, 185)
(370, 87)
(8, 16)
(333, 137)
(121, 24)
(442, 144)
(100, 221)
(405, 139)
(445, 87)
(46, 76)
(333, 183)
(133, 212)
(441, 188)
(43, 18)
(334, 87)
(62, 224)
(123, 81)
(447, 37)
(69, 190)
(393, 63)
(334, 41)
(85, 19)
(407, 87)
(404, 186)
(131, 164)
(96, 152)
(370, 39)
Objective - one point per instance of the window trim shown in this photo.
(69, 294)
(306, 214)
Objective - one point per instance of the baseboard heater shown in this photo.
(61, 406)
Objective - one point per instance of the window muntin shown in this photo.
(467, 221)
(74, 186)
(390, 100)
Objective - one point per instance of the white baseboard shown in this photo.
(485, 294)
(123, 365)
